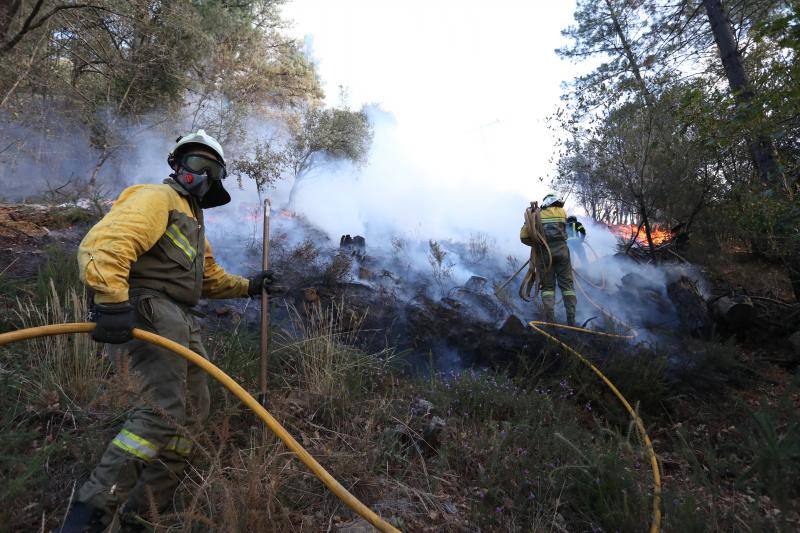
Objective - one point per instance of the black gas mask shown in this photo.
(199, 174)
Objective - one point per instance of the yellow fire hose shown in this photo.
(655, 524)
(237, 390)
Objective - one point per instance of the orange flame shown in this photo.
(626, 231)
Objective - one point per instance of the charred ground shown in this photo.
(441, 413)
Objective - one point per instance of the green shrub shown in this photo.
(235, 348)
(528, 456)
(60, 271)
(774, 443)
(74, 215)
(69, 365)
(708, 366)
(639, 374)
(605, 486)
(483, 396)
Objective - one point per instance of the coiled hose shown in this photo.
(237, 390)
(538, 244)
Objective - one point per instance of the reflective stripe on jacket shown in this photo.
(154, 238)
(575, 230)
(554, 221)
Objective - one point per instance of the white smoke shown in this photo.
(400, 195)
(397, 196)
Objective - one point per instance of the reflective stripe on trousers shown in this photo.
(135, 445)
(179, 445)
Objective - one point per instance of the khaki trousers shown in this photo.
(560, 272)
(148, 456)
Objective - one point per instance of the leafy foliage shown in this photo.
(114, 70)
(326, 134)
(689, 118)
(315, 136)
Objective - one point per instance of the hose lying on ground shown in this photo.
(655, 524)
(237, 390)
(602, 284)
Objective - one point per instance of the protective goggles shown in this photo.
(203, 165)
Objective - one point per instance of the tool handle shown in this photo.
(264, 346)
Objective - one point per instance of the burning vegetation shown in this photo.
(637, 235)
(400, 353)
(442, 380)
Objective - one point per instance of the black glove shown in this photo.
(114, 322)
(263, 279)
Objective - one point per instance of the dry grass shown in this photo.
(515, 454)
(246, 480)
(68, 364)
(479, 248)
(320, 353)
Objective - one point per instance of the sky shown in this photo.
(470, 84)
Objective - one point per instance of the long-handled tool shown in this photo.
(262, 376)
(514, 275)
(237, 390)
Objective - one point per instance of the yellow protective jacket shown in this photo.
(554, 222)
(575, 230)
(150, 240)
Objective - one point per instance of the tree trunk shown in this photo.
(648, 232)
(736, 312)
(691, 308)
(8, 9)
(761, 147)
(293, 192)
(628, 51)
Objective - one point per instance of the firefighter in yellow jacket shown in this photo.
(148, 263)
(554, 224)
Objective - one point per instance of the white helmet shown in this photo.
(551, 199)
(214, 194)
(202, 138)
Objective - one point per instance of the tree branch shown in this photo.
(29, 25)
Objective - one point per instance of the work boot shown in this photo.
(83, 518)
(571, 320)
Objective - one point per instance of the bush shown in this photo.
(339, 270)
(441, 267)
(605, 487)
(235, 348)
(60, 272)
(708, 366)
(774, 442)
(521, 449)
(319, 355)
(484, 396)
(68, 365)
(640, 375)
